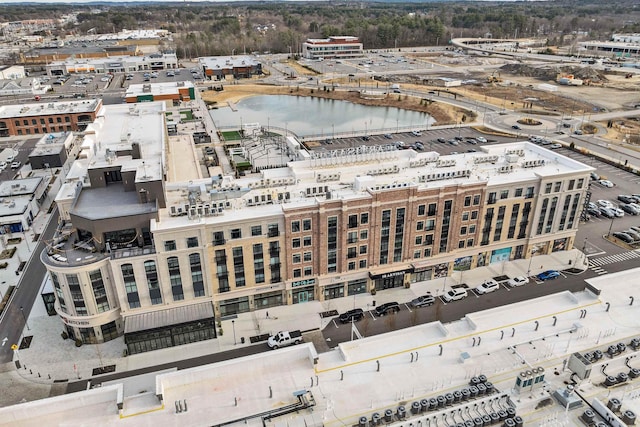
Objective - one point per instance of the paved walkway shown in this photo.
(50, 359)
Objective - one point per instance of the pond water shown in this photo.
(317, 116)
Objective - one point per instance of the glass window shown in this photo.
(504, 194)
(295, 243)
(351, 252)
(351, 265)
(364, 218)
(418, 240)
(192, 242)
(416, 254)
(352, 237)
(295, 226)
(307, 257)
(308, 271)
(420, 225)
(174, 278)
(467, 201)
(364, 234)
(557, 187)
(362, 263)
(547, 188)
(256, 230)
(421, 209)
(297, 273)
(580, 183)
(236, 233)
(474, 215)
(130, 285)
(460, 244)
(432, 209)
(430, 224)
(306, 225)
(170, 245)
(196, 275)
(218, 238)
(518, 192)
(465, 216)
(463, 230)
(353, 221)
(152, 282)
(476, 199)
(306, 241)
(469, 243)
(572, 183)
(363, 249)
(296, 259)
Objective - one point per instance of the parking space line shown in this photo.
(405, 304)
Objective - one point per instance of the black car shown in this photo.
(441, 140)
(387, 308)
(623, 236)
(626, 199)
(515, 127)
(351, 315)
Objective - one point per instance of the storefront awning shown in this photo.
(172, 316)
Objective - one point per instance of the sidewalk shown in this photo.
(51, 358)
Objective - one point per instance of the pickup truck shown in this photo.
(284, 338)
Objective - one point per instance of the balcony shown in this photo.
(273, 233)
(223, 290)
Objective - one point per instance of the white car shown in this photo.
(606, 183)
(16, 165)
(455, 294)
(555, 146)
(487, 286)
(481, 139)
(619, 213)
(518, 281)
(416, 133)
(604, 204)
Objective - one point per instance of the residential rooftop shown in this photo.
(48, 108)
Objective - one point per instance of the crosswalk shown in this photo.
(596, 264)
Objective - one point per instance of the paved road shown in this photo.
(13, 321)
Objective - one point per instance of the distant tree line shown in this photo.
(221, 29)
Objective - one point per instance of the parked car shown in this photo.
(455, 294)
(606, 183)
(487, 286)
(387, 308)
(518, 281)
(366, 138)
(481, 139)
(472, 141)
(351, 315)
(623, 236)
(634, 228)
(605, 204)
(632, 233)
(630, 209)
(595, 176)
(516, 127)
(441, 140)
(594, 212)
(16, 165)
(592, 205)
(578, 132)
(423, 301)
(416, 133)
(458, 138)
(452, 142)
(608, 212)
(626, 199)
(388, 136)
(284, 338)
(555, 146)
(619, 213)
(419, 145)
(548, 275)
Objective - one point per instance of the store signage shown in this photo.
(75, 322)
(115, 64)
(391, 274)
(307, 282)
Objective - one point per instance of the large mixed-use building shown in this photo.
(159, 261)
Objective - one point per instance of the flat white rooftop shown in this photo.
(49, 108)
(158, 89)
(379, 373)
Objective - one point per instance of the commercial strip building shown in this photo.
(160, 260)
(20, 201)
(42, 118)
(168, 91)
(332, 47)
(112, 64)
(229, 67)
(429, 374)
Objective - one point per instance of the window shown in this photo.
(417, 254)
(256, 230)
(99, 293)
(492, 198)
(273, 230)
(518, 192)
(218, 238)
(175, 279)
(421, 210)
(295, 243)
(474, 215)
(467, 201)
(363, 249)
(418, 240)
(364, 234)
(297, 273)
(196, 275)
(295, 226)
(296, 259)
(192, 242)
(476, 199)
(426, 253)
(351, 252)
(547, 188)
(472, 229)
(307, 257)
(258, 263)
(362, 263)
(463, 231)
(469, 243)
(306, 225)
(308, 271)
(170, 245)
(460, 244)
(353, 221)
(152, 282)
(130, 286)
(364, 218)
(432, 209)
(530, 192)
(580, 183)
(419, 225)
(428, 239)
(306, 241)
(465, 216)
(430, 225)
(557, 187)
(572, 183)
(351, 265)
(352, 237)
(236, 233)
(504, 194)
(238, 266)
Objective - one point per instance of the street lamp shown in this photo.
(610, 226)
(233, 325)
(25, 318)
